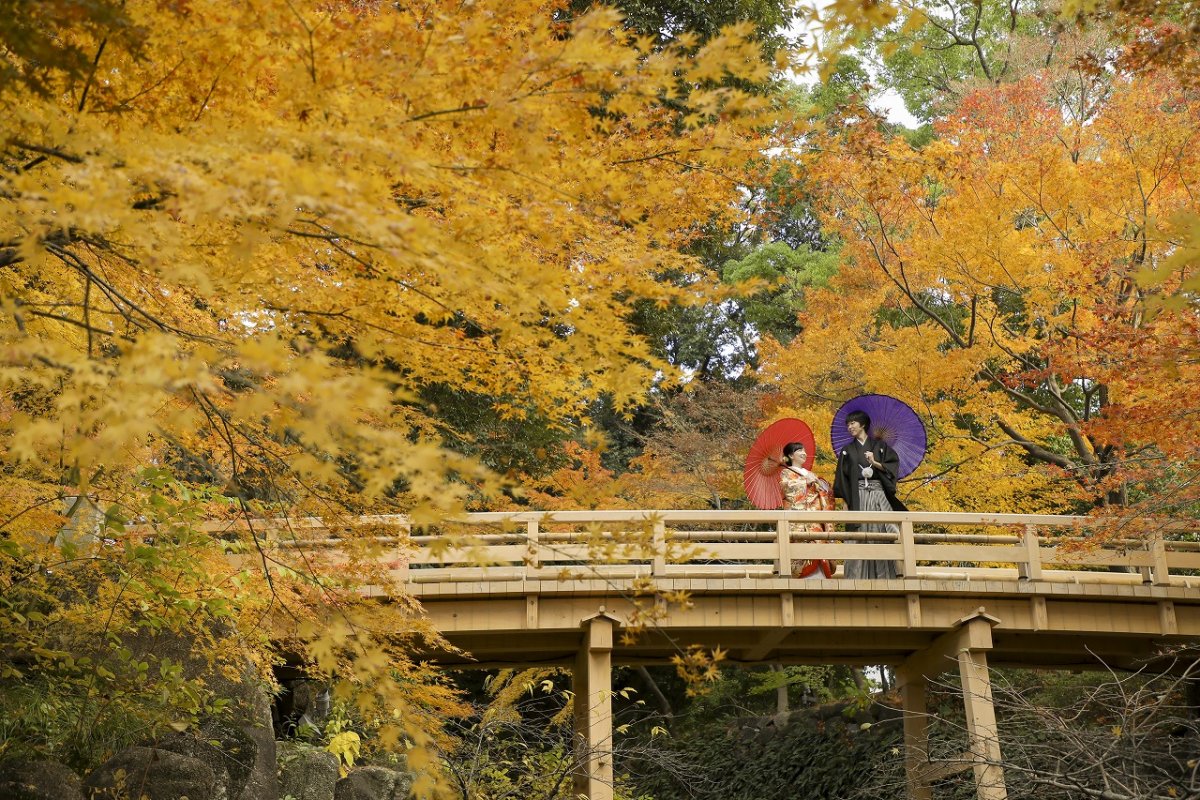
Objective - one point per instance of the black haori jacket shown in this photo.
(849, 473)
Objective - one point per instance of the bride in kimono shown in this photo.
(804, 491)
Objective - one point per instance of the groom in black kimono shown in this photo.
(864, 452)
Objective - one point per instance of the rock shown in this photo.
(238, 682)
(828, 711)
(374, 783)
(217, 749)
(242, 758)
(38, 780)
(262, 782)
(889, 713)
(155, 774)
(306, 772)
(251, 717)
(245, 729)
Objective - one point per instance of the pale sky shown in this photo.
(887, 102)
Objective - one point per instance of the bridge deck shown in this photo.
(975, 590)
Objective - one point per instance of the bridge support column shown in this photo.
(981, 724)
(592, 684)
(916, 735)
(965, 647)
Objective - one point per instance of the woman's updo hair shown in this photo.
(790, 448)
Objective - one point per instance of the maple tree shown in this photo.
(695, 456)
(692, 458)
(935, 53)
(255, 260)
(1159, 32)
(261, 248)
(667, 20)
(994, 279)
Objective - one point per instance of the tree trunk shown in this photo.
(781, 693)
(660, 700)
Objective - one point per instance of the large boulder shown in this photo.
(261, 783)
(155, 774)
(306, 772)
(38, 780)
(250, 732)
(227, 751)
(242, 758)
(374, 783)
(245, 731)
(236, 681)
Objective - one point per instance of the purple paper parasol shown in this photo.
(891, 420)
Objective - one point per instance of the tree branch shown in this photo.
(1036, 450)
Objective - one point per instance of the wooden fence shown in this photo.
(567, 545)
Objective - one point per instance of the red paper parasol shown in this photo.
(765, 460)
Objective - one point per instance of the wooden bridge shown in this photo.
(520, 589)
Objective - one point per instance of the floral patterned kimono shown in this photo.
(804, 491)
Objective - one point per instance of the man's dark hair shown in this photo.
(860, 417)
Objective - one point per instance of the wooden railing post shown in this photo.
(908, 545)
(783, 540)
(660, 547)
(913, 694)
(533, 550)
(1160, 573)
(1031, 569)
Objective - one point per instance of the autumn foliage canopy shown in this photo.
(238, 241)
(1023, 280)
(250, 252)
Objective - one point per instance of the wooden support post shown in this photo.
(913, 691)
(966, 645)
(981, 723)
(1039, 613)
(914, 610)
(592, 684)
(774, 637)
(1166, 617)
(531, 612)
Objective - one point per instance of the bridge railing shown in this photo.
(517, 546)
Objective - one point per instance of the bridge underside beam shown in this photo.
(501, 648)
